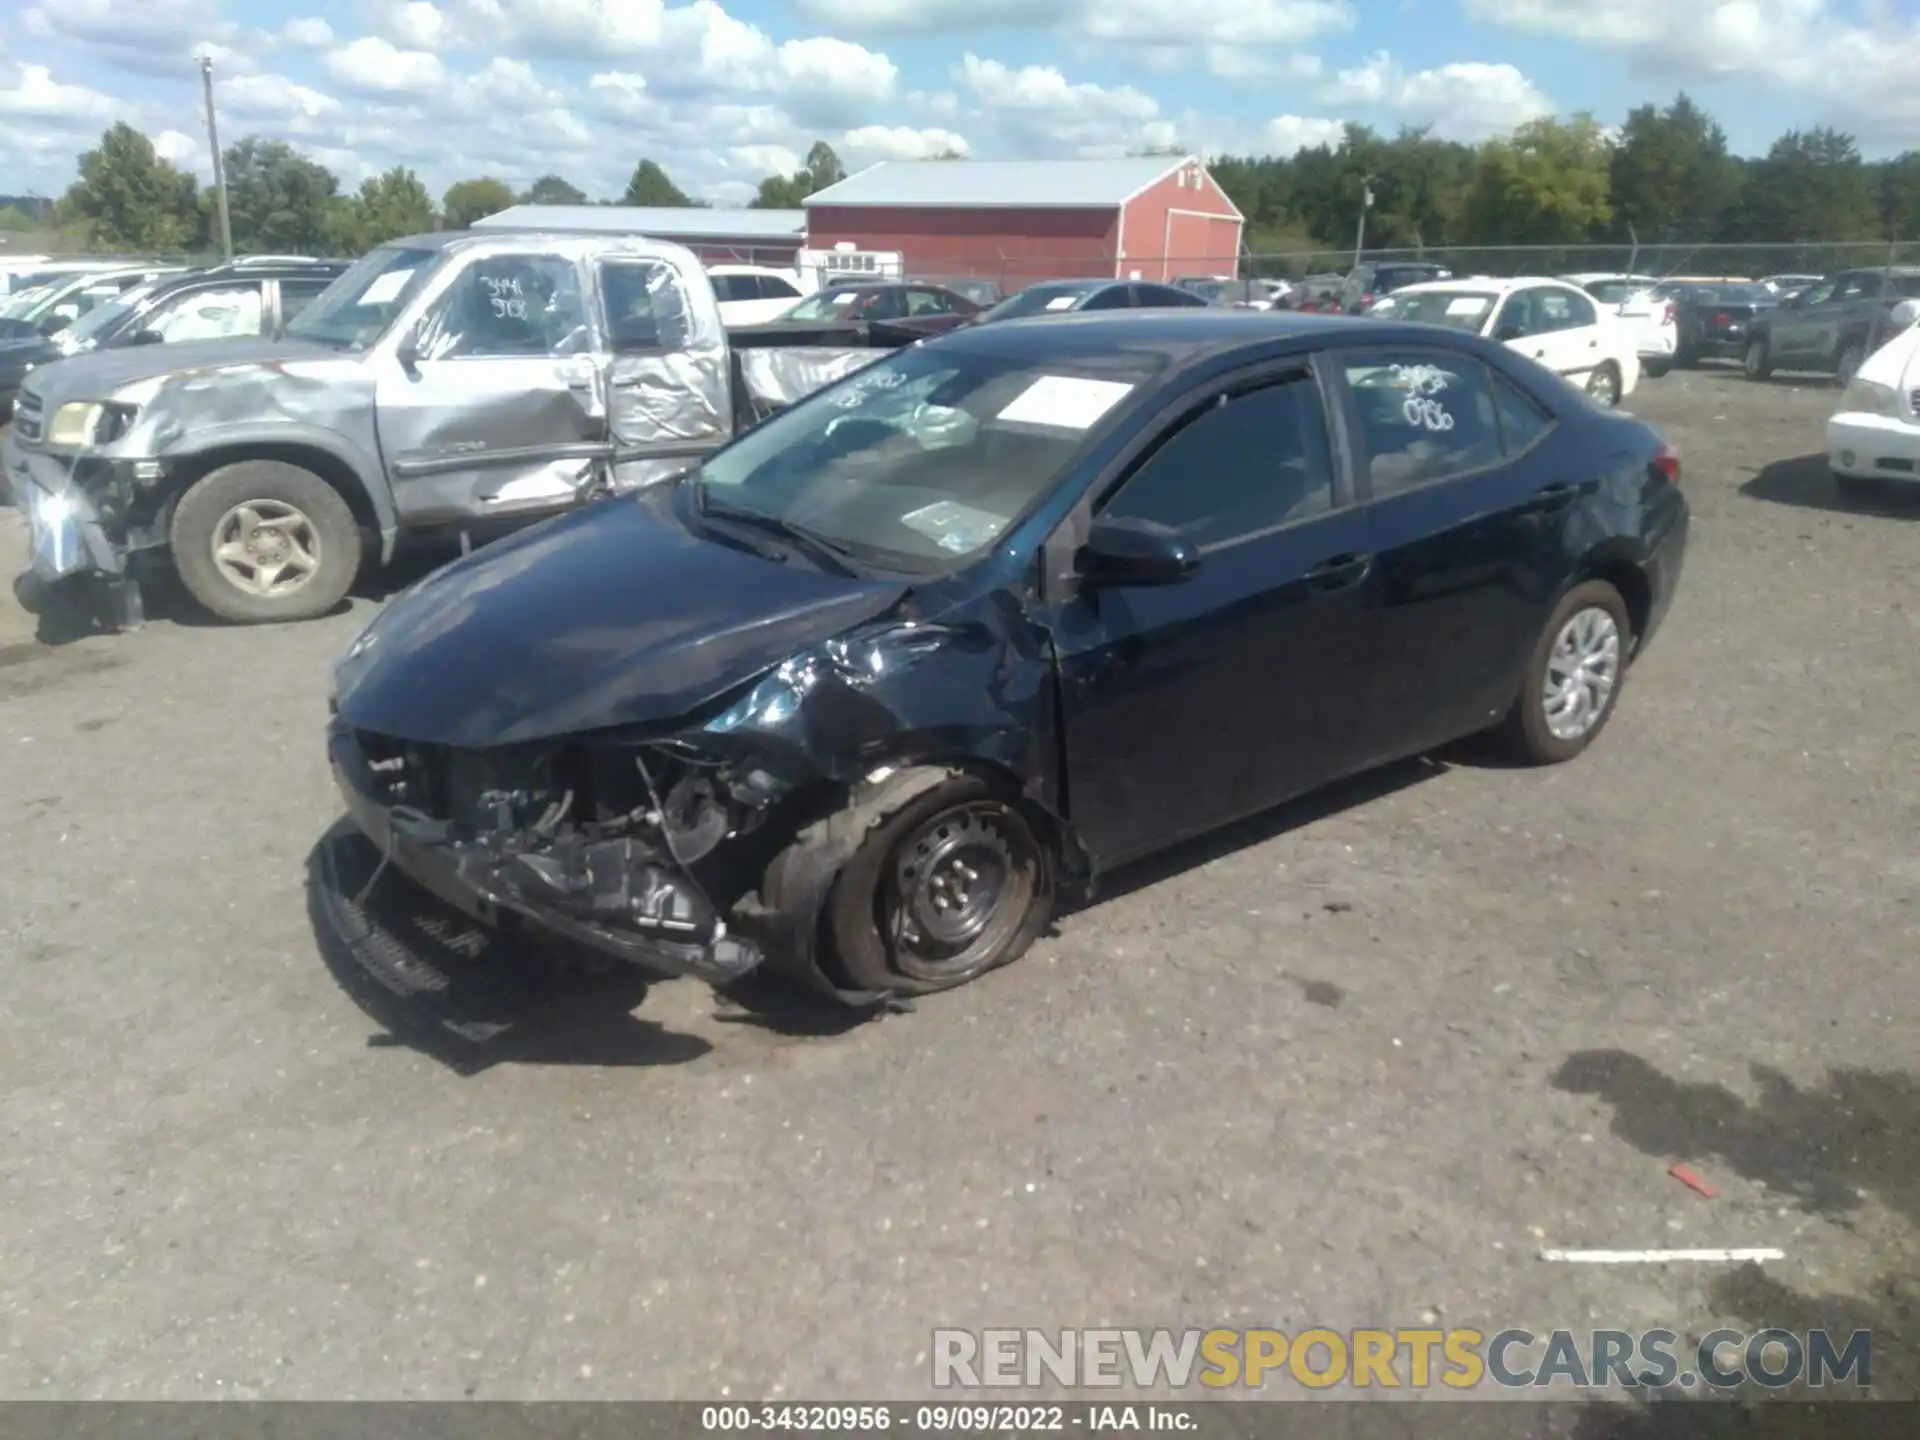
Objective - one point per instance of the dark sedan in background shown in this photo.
(1711, 320)
(1054, 297)
(864, 694)
(930, 307)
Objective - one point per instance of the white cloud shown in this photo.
(149, 37)
(311, 33)
(1859, 63)
(1036, 110)
(374, 66)
(1285, 134)
(37, 94)
(1463, 101)
(255, 97)
(902, 142)
(1232, 62)
(178, 148)
(1149, 22)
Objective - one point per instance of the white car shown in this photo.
(1874, 437)
(1559, 325)
(1653, 317)
(755, 294)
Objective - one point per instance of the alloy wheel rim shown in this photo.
(1600, 385)
(1756, 356)
(1583, 669)
(266, 548)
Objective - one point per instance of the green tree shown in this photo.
(1900, 197)
(1811, 185)
(651, 187)
(129, 198)
(1547, 184)
(386, 207)
(469, 200)
(277, 199)
(553, 190)
(1672, 177)
(786, 192)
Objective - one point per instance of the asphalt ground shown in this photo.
(1353, 1065)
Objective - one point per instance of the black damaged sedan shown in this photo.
(864, 695)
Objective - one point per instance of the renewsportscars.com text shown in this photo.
(1457, 1359)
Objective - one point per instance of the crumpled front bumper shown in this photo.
(65, 535)
(466, 874)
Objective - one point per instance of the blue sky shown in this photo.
(723, 91)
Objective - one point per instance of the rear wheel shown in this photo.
(1654, 369)
(1572, 683)
(261, 541)
(1603, 385)
(1757, 359)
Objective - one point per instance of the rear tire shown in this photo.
(1654, 369)
(261, 541)
(1757, 359)
(1603, 384)
(951, 884)
(1572, 687)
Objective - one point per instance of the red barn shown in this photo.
(1016, 221)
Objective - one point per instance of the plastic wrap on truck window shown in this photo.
(776, 378)
(668, 384)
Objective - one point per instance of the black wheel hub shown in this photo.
(952, 878)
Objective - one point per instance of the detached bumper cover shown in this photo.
(488, 881)
(65, 535)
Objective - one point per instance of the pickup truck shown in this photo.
(463, 381)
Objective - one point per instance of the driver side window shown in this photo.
(509, 306)
(1243, 464)
(207, 315)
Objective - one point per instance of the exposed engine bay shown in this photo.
(619, 846)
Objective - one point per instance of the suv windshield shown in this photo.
(356, 309)
(919, 463)
(1457, 309)
(827, 305)
(1392, 277)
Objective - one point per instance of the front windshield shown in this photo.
(22, 303)
(101, 319)
(1613, 292)
(1733, 295)
(357, 308)
(921, 462)
(827, 305)
(1456, 309)
(1039, 299)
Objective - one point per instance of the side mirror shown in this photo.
(1510, 331)
(1135, 552)
(148, 337)
(407, 351)
(55, 323)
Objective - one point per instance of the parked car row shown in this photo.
(95, 307)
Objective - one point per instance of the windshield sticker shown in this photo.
(1062, 302)
(955, 527)
(1065, 402)
(385, 287)
(1422, 410)
(845, 297)
(1468, 305)
(862, 389)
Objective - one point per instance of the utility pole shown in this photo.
(1366, 204)
(219, 168)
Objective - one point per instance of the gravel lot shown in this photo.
(1350, 1066)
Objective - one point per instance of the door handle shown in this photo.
(1539, 354)
(1553, 498)
(1340, 573)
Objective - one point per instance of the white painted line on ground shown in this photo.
(1658, 1257)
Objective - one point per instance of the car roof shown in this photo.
(1154, 340)
(1485, 284)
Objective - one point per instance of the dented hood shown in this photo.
(97, 374)
(615, 614)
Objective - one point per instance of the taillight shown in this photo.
(1667, 461)
(1723, 319)
(1366, 300)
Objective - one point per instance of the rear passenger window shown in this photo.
(1243, 464)
(1422, 419)
(1522, 422)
